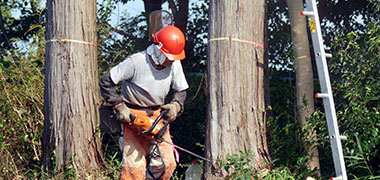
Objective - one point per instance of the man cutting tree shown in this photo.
(147, 78)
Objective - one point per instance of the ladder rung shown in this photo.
(343, 137)
(307, 13)
(337, 178)
(328, 55)
(321, 95)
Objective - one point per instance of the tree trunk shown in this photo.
(71, 87)
(152, 5)
(304, 75)
(236, 110)
(180, 14)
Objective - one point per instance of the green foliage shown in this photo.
(29, 13)
(279, 37)
(176, 176)
(197, 33)
(280, 174)
(286, 136)
(115, 43)
(358, 64)
(113, 166)
(355, 74)
(21, 103)
(283, 130)
(238, 166)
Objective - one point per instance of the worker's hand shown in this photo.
(122, 113)
(172, 110)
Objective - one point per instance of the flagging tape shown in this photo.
(72, 41)
(301, 57)
(237, 40)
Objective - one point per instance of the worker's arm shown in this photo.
(180, 97)
(108, 90)
(175, 107)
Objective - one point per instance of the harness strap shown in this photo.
(154, 153)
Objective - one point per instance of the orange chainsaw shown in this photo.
(152, 124)
(149, 122)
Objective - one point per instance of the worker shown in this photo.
(147, 77)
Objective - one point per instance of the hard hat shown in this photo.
(171, 42)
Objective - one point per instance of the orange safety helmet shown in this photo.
(171, 42)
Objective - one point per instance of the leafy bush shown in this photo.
(21, 103)
(355, 82)
(238, 167)
(358, 64)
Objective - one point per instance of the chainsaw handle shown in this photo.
(155, 122)
(162, 131)
(132, 117)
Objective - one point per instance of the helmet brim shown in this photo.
(174, 57)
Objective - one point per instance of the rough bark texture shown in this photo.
(236, 115)
(71, 88)
(304, 74)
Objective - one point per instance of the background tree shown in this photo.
(71, 89)
(22, 27)
(21, 95)
(152, 5)
(304, 77)
(236, 118)
(180, 13)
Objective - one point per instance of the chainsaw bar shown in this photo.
(187, 151)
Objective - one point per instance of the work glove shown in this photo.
(172, 110)
(122, 113)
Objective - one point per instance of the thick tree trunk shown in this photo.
(304, 75)
(236, 114)
(71, 88)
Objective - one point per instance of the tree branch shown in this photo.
(3, 30)
(173, 7)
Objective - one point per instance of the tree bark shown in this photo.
(236, 110)
(71, 87)
(304, 76)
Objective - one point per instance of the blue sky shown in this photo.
(132, 8)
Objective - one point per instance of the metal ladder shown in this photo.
(326, 95)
